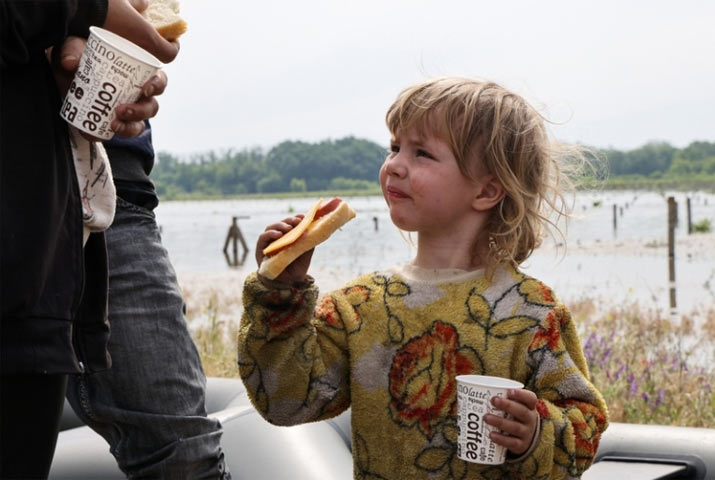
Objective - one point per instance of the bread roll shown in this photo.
(164, 16)
(318, 231)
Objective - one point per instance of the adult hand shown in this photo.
(130, 117)
(124, 19)
(517, 432)
(298, 269)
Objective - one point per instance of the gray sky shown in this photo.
(608, 73)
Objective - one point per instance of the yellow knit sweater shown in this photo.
(389, 345)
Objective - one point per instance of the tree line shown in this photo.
(352, 164)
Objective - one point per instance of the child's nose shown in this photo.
(395, 165)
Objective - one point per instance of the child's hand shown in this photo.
(296, 271)
(518, 432)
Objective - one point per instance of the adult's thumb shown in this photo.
(71, 52)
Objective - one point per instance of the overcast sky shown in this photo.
(608, 73)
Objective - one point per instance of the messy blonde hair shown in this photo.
(489, 128)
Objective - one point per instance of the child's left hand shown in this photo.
(518, 432)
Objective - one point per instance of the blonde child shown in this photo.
(473, 173)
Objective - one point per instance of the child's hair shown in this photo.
(483, 123)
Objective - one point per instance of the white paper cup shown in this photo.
(111, 72)
(474, 394)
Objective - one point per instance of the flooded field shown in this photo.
(593, 260)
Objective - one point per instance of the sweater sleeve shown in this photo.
(291, 357)
(30, 26)
(572, 411)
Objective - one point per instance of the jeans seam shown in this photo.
(84, 398)
(134, 207)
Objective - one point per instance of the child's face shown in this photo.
(423, 185)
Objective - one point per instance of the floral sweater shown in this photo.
(390, 344)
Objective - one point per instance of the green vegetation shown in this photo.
(649, 369)
(658, 165)
(703, 226)
(348, 164)
(351, 165)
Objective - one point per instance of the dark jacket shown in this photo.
(52, 291)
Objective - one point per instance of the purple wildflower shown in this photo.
(645, 397)
(634, 386)
(661, 396)
(605, 356)
(674, 365)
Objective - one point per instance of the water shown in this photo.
(629, 263)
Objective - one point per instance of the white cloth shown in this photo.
(96, 186)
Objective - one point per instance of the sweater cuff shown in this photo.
(532, 447)
(304, 284)
(89, 13)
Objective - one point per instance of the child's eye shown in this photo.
(394, 148)
(424, 153)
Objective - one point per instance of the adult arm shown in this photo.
(30, 26)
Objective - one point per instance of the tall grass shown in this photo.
(650, 369)
(215, 339)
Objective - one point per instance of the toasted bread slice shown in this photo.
(164, 16)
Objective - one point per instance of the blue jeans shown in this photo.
(150, 405)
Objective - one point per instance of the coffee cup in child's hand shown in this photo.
(474, 400)
(111, 72)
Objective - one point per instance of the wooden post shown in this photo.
(234, 236)
(690, 217)
(672, 221)
(615, 215)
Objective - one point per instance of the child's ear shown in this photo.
(489, 193)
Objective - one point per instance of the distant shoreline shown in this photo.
(614, 184)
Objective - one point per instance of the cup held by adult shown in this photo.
(129, 121)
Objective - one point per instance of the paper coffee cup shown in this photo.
(474, 394)
(111, 72)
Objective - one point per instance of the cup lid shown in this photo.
(127, 47)
(488, 381)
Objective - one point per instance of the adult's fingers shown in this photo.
(71, 51)
(128, 129)
(142, 109)
(139, 5)
(124, 20)
(156, 84)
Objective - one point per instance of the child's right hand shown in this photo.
(296, 271)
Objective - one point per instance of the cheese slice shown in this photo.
(296, 232)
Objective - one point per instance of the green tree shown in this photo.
(697, 158)
(298, 185)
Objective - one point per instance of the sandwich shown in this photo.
(164, 16)
(317, 225)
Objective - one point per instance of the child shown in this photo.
(471, 171)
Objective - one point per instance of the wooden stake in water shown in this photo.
(615, 222)
(234, 236)
(672, 221)
(690, 217)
